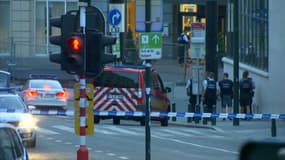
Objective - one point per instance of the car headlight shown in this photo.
(28, 122)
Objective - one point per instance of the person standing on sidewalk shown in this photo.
(246, 87)
(210, 95)
(226, 93)
(183, 40)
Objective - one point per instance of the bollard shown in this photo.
(214, 108)
(205, 110)
(197, 110)
(189, 119)
(273, 127)
(173, 109)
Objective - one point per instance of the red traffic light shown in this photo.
(75, 43)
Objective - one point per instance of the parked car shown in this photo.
(122, 88)
(44, 90)
(14, 111)
(11, 145)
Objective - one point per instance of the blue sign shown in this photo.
(115, 17)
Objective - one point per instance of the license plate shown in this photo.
(112, 96)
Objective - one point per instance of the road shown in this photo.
(57, 141)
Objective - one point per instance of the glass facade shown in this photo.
(56, 8)
(4, 26)
(253, 33)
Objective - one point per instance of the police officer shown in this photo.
(183, 40)
(194, 106)
(226, 93)
(210, 96)
(246, 87)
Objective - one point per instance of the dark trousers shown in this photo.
(209, 109)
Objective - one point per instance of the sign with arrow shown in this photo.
(150, 45)
(115, 17)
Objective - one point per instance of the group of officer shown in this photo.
(213, 89)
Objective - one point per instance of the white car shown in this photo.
(11, 144)
(40, 91)
(14, 111)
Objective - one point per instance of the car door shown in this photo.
(159, 100)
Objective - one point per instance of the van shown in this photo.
(122, 88)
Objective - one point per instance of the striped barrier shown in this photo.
(157, 114)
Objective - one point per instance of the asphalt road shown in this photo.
(57, 141)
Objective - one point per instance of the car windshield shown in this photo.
(11, 102)
(117, 79)
(45, 83)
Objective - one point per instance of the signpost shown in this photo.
(150, 44)
(116, 24)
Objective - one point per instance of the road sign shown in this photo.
(156, 16)
(89, 109)
(150, 45)
(116, 24)
(115, 17)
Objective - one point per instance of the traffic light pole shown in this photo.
(82, 152)
(148, 89)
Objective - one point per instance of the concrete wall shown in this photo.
(276, 88)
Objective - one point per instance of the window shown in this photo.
(56, 8)
(253, 33)
(117, 79)
(4, 26)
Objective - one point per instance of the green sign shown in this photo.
(150, 45)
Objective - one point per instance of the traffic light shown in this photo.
(66, 24)
(95, 55)
(74, 51)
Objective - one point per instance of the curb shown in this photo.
(192, 125)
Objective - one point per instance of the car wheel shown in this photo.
(96, 119)
(164, 121)
(32, 143)
(116, 120)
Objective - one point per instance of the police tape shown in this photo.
(157, 114)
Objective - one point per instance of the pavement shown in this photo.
(175, 76)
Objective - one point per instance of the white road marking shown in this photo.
(122, 157)
(198, 145)
(46, 131)
(121, 130)
(111, 154)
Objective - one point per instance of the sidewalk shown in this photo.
(172, 72)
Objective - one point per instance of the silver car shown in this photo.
(41, 92)
(11, 145)
(15, 112)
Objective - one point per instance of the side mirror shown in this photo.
(263, 150)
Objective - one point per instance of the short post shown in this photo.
(173, 109)
(273, 127)
(189, 119)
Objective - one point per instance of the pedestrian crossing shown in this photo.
(134, 131)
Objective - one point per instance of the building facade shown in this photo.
(24, 33)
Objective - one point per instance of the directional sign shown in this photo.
(115, 17)
(150, 45)
(116, 24)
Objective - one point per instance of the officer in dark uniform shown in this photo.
(194, 106)
(246, 88)
(210, 96)
(226, 93)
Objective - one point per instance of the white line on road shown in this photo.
(197, 145)
(120, 130)
(46, 131)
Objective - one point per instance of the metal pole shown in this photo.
(82, 152)
(273, 128)
(236, 59)
(148, 89)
